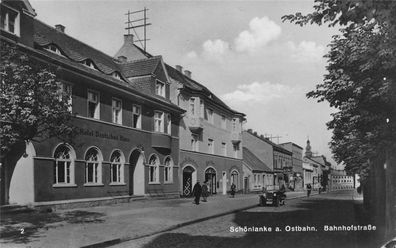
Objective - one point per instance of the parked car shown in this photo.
(272, 196)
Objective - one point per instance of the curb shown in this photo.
(173, 227)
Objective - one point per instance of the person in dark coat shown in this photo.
(205, 192)
(309, 188)
(233, 188)
(197, 191)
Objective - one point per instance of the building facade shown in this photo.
(296, 177)
(339, 180)
(210, 136)
(127, 140)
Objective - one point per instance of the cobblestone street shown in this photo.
(326, 209)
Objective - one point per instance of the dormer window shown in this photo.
(54, 49)
(116, 75)
(9, 20)
(160, 88)
(89, 64)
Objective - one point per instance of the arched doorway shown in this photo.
(136, 173)
(189, 179)
(235, 178)
(210, 177)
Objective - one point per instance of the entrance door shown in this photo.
(136, 173)
(188, 180)
(210, 177)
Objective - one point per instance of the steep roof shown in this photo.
(72, 48)
(141, 67)
(254, 162)
(195, 86)
(275, 146)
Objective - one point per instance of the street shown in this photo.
(301, 223)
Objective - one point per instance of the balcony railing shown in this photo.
(195, 124)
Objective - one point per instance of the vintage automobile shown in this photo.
(272, 196)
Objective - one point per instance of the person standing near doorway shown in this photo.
(233, 188)
(309, 188)
(197, 191)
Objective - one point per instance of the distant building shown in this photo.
(296, 177)
(316, 167)
(339, 180)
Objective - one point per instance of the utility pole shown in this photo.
(135, 23)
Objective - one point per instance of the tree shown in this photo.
(34, 104)
(361, 78)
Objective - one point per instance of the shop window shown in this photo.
(117, 111)
(168, 175)
(9, 20)
(117, 167)
(153, 169)
(136, 116)
(93, 104)
(64, 166)
(93, 167)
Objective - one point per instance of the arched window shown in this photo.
(168, 175)
(235, 177)
(64, 165)
(93, 167)
(117, 167)
(153, 170)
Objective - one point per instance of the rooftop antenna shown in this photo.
(270, 137)
(133, 24)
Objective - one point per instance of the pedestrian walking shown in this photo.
(197, 191)
(309, 188)
(205, 192)
(233, 188)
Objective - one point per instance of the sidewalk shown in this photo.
(115, 223)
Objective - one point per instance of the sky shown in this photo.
(240, 50)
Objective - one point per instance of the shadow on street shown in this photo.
(310, 212)
(23, 228)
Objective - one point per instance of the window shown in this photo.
(211, 146)
(9, 20)
(223, 122)
(117, 111)
(201, 109)
(136, 116)
(117, 167)
(224, 148)
(158, 121)
(153, 170)
(192, 106)
(89, 63)
(54, 49)
(93, 167)
(64, 165)
(160, 88)
(93, 104)
(194, 143)
(169, 124)
(210, 115)
(168, 171)
(67, 88)
(236, 150)
(116, 75)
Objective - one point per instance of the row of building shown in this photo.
(144, 127)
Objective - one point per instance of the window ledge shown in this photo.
(154, 183)
(117, 184)
(168, 182)
(93, 184)
(64, 185)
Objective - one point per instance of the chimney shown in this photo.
(60, 28)
(122, 59)
(179, 68)
(128, 38)
(187, 73)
